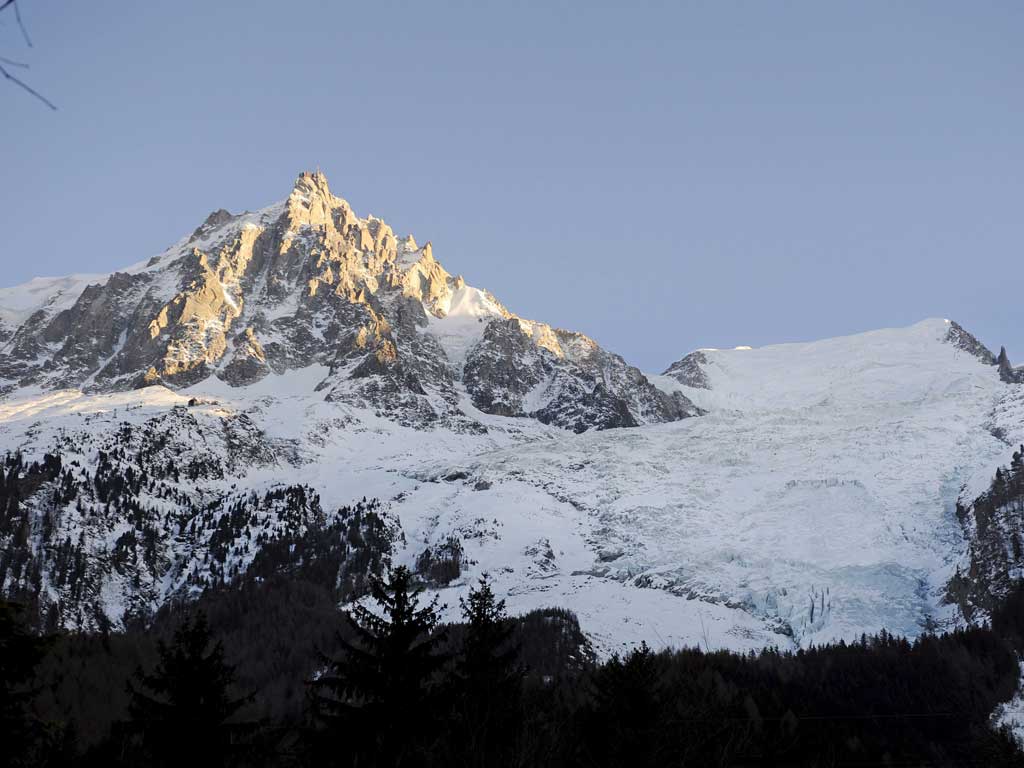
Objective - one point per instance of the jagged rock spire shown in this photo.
(1007, 372)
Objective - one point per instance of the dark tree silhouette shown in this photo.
(377, 702)
(20, 653)
(182, 710)
(488, 681)
(627, 711)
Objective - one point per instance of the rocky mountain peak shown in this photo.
(311, 204)
(312, 183)
(312, 189)
(305, 283)
(214, 221)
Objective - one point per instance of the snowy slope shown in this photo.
(827, 515)
(52, 294)
(465, 314)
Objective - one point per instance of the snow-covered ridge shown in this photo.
(19, 303)
(891, 364)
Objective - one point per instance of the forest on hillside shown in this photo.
(296, 683)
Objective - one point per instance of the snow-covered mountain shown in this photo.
(304, 283)
(171, 425)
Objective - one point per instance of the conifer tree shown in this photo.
(625, 727)
(378, 700)
(20, 653)
(182, 710)
(488, 679)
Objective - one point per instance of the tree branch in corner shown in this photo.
(11, 63)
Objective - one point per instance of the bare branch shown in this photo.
(11, 63)
(34, 92)
(17, 15)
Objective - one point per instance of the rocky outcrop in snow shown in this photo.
(1007, 372)
(964, 340)
(689, 371)
(994, 525)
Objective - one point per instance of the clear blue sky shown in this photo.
(661, 176)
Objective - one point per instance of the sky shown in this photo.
(659, 176)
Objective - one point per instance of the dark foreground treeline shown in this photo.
(274, 676)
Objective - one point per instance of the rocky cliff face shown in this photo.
(963, 339)
(994, 525)
(307, 282)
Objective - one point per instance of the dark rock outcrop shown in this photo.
(689, 371)
(994, 526)
(1007, 372)
(959, 337)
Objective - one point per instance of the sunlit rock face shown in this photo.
(308, 282)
